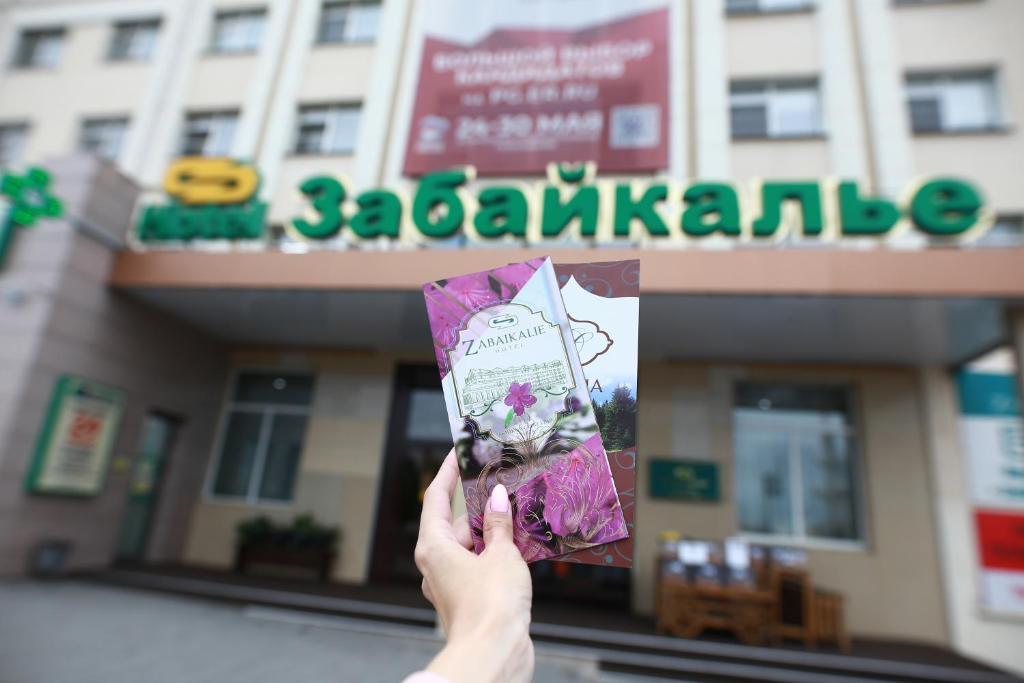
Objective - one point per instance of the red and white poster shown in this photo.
(513, 85)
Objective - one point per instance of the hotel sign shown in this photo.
(214, 199)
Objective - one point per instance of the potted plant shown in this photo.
(301, 548)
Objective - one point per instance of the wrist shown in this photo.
(486, 654)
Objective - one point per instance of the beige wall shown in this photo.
(340, 466)
(959, 35)
(892, 585)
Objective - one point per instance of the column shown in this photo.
(711, 90)
(841, 93)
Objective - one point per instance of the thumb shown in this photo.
(498, 518)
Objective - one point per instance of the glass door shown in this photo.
(157, 438)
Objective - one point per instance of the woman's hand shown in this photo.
(483, 601)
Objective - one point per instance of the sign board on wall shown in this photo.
(77, 436)
(684, 480)
(993, 440)
(509, 86)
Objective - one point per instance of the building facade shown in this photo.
(297, 377)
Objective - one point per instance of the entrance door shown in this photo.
(418, 441)
(157, 438)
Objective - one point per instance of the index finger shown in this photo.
(437, 499)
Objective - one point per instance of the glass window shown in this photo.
(103, 137)
(352, 21)
(134, 40)
(330, 129)
(209, 134)
(797, 469)
(1008, 231)
(39, 48)
(953, 102)
(263, 434)
(775, 109)
(13, 138)
(766, 6)
(235, 32)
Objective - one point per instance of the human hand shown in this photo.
(483, 601)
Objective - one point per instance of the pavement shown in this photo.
(80, 632)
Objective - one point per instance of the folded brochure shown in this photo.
(519, 408)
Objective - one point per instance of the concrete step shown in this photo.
(635, 653)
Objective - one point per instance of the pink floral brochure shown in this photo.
(519, 408)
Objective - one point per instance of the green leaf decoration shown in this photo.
(509, 417)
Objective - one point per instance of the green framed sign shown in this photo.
(77, 437)
(691, 480)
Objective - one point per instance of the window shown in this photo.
(330, 129)
(775, 109)
(39, 48)
(13, 137)
(351, 21)
(103, 137)
(134, 40)
(953, 102)
(797, 472)
(209, 134)
(262, 435)
(766, 6)
(237, 32)
(1008, 231)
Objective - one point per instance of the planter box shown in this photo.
(283, 561)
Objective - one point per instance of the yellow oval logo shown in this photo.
(202, 180)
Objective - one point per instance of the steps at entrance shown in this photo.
(637, 653)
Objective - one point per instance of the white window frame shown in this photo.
(108, 122)
(329, 124)
(253, 39)
(149, 28)
(769, 7)
(21, 128)
(939, 88)
(207, 119)
(775, 423)
(56, 33)
(267, 412)
(349, 7)
(768, 91)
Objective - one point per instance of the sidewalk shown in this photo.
(76, 632)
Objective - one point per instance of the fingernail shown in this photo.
(499, 499)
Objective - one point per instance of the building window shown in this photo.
(134, 41)
(953, 102)
(39, 48)
(209, 134)
(13, 138)
(330, 129)
(1007, 231)
(237, 32)
(103, 137)
(766, 6)
(775, 109)
(349, 21)
(262, 434)
(797, 470)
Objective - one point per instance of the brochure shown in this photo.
(519, 408)
(602, 301)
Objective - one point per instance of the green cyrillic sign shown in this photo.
(684, 480)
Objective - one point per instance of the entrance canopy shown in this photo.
(917, 308)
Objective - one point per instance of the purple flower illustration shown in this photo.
(580, 499)
(519, 397)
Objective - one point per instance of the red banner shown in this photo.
(520, 98)
(1000, 539)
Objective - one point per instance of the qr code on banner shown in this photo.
(635, 126)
